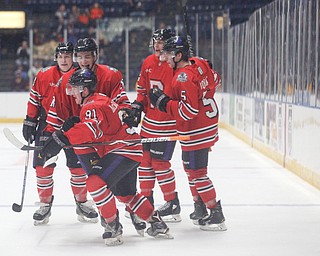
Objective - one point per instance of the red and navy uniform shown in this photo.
(111, 169)
(196, 112)
(42, 91)
(156, 156)
(110, 83)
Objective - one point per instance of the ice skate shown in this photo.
(42, 215)
(138, 224)
(127, 213)
(214, 221)
(86, 213)
(200, 211)
(112, 232)
(158, 228)
(170, 211)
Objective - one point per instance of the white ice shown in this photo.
(268, 210)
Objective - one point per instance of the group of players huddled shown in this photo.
(88, 103)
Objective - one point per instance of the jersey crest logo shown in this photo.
(59, 82)
(53, 102)
(148, 70)
(182, 77)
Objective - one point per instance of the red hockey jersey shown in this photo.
(110, 83)
(100, 120)
(193, 105)
(42, 90)
(155, 74)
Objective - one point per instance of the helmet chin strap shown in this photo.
(175, 62)
(83, 98)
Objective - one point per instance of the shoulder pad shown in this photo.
(112, 68)
(45, 69)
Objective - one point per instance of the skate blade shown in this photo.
(83, 219)
(114, 241)
(214, 227)
(195, 222)
(41, 222)
(174, 218)
(127, 215)
(163, 236)
(140, 232)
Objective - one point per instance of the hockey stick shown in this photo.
(17, 143)
(186, 24)
(18, 207)
(54, 159)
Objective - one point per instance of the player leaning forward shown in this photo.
(64, 111)
(112, 169)
(193, 106)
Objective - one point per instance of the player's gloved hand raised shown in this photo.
(69, 123)
(159, 99)
(128, 117)
(133, 117)
(29, 128)
(54, 144)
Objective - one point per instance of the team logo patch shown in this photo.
(59, 82)
(182, 77)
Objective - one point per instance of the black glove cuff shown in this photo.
(30, 121)
(60, 139)
(161, 97)
(137, 105)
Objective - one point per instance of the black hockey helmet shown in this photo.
(86, 45)
(177, 44)
(63, 48)
(161, 34)
(82, 78)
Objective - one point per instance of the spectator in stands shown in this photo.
(96, 13)
(136, 8)
(20, 81)
(37, 66)
(23, 55)
(62, 18)
(84, 17)
(74, 17)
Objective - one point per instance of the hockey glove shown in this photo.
(54, 144)
(69, 123)
(128, 117)
(133, 117)
(29, 128)
(159, 99)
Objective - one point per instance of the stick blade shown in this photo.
(11, 138)
(17, 143)
(16, 207)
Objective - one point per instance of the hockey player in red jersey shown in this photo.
(156, 156)
(37, 109)
(112, 169)
(192, 104)
(109, 82)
